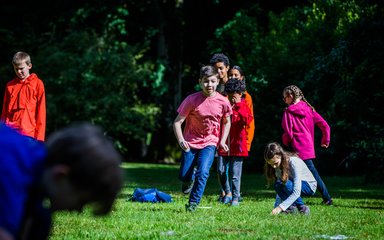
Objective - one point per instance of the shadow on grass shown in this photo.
(253, 186)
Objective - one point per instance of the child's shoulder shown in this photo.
(221, 97)
(193, 96)
(34, 77)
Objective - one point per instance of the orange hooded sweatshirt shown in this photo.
(250, 128)
(24, 107)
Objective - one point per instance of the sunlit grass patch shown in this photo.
(357, 212)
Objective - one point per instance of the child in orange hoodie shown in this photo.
(24, 100)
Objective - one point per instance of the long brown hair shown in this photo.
(270, 151)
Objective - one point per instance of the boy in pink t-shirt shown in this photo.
(207, 124)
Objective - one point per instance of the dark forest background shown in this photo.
(126, 65)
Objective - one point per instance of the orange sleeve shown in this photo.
(250, 128)
(40, 113)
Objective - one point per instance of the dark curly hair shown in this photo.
(219, 57)
(235, 85)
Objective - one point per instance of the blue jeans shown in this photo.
(320, 184)
(202, 159)
(222, 173)
(230, 166)
(285, 190)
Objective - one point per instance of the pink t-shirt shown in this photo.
(203, 118)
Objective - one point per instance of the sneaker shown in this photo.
(186, 187)
(327, 202)
(235, 203)
(303, 209)
(191, 207)
(221, 196)
(226, 199)
(290, 210)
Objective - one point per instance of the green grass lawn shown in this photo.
(357, 212)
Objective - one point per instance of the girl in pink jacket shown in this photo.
(298, 123)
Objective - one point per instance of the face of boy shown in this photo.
(208, 85)
(234, 97)
(22, 70)
(63, 194)
(222, 70)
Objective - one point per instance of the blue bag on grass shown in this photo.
(150, 195)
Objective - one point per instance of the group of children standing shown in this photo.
(219, 121)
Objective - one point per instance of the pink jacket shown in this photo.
(298, 123)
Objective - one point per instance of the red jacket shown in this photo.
(237, 139)
(24, 107)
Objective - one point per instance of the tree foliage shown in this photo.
(126, 65)
(95, 75)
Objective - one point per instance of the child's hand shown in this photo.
(276, 210)
(184, 145)
(234, 98)
(324, 145)
(224, 146)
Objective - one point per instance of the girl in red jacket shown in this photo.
(237, 140)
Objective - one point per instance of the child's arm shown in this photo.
(244, 113)
(250, 128)
(179, 133)
(227, 127)
(324, 127)
(287, 127)
(296, 170)
(40, 114)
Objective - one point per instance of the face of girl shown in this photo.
(234, 73)
(275, 161)
(287, 98)
(208, 85)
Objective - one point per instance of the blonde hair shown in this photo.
(21, 57)
(297, 94)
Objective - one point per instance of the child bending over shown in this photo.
(291, 179)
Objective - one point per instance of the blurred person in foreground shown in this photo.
(78, 165)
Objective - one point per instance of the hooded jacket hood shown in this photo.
(299, 121)
(300, 109)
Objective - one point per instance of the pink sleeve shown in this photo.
(185, 107)
(287, 127)
(324, 127)
(227, 109)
